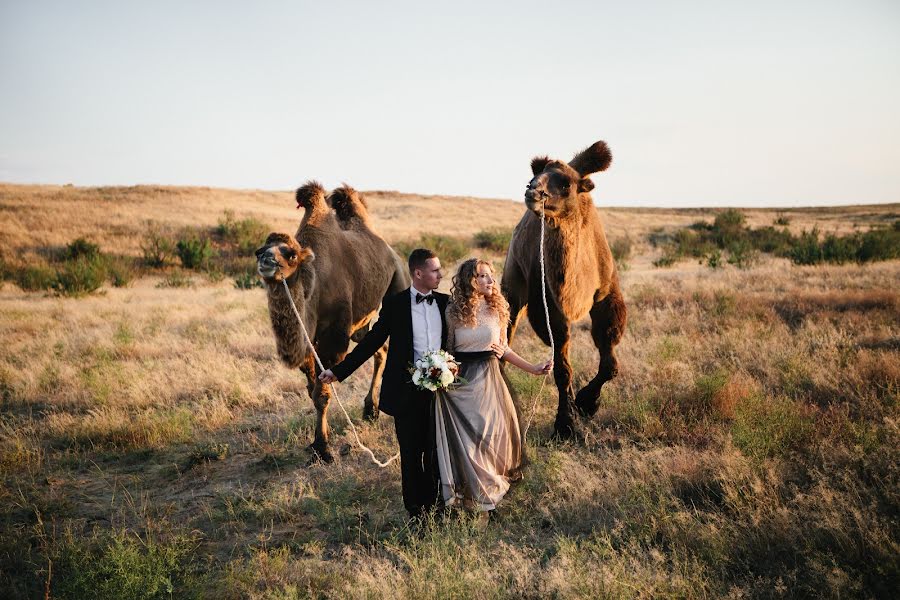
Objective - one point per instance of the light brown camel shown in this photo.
(580, 270)
(338, 270)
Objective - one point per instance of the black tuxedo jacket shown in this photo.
(394, 322)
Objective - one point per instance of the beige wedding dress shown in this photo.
(479, 442)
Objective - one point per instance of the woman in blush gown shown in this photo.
(479, 440)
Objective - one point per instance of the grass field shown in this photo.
(152, 446)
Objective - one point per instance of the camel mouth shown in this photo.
(267, 266)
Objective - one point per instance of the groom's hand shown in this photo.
(327, 376)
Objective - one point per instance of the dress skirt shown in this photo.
(479, 442)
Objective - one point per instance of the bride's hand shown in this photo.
(498, 350)
(542, 368)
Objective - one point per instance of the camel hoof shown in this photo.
(564, 430)
(370, 414)
(320, 454)
(587, 403)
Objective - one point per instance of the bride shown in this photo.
(479, 442)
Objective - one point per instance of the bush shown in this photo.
(194, 250)
(81, 248)
(34, 278)
(621, 248)
(879, 244)
(666, 260)
(175, 279)
(496, 239)
(246, 234)
(741, 254)
(448, 249)
(121, 271)
(714, 260)
(80, 276)
(121, 565)
(247, 281)
(157, 248)
(806, 250)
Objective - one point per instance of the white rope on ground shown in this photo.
(549, 331)
(333, 391)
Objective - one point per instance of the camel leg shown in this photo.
(564, 427)
(321, 400)
(332, 347)
(370, 405)
(608, 318)
(308, 368)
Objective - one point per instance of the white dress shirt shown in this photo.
(426, 324)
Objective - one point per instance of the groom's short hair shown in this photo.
(418, 257)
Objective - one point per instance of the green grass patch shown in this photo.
(770, 427)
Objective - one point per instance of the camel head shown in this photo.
(558, 186)
(280, 257)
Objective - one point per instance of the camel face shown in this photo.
(279, 258)
(555, 188)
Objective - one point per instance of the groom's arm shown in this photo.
(369, 345)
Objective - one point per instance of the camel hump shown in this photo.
(310, 194)
(592, 159)
(347, 203)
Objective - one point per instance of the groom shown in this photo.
(414, 322)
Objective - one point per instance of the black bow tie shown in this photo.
(420, 298)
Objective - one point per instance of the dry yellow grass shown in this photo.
(748, 447)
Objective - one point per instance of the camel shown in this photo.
(581, 275)
(338, 270)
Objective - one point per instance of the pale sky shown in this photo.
(721, 103)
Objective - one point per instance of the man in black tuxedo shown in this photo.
(414, 322)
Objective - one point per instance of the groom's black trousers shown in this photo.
(418, 454)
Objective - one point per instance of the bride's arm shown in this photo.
(535, 369)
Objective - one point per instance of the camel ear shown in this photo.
(585, 185)
(306, 255)
(538, 163)
(592, 159)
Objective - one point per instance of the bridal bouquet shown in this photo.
(437, 370)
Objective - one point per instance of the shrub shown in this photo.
(34, 278)
(806, 249)
(496, 239)
(81, 248)
(879, 244)
(80, 276)
(449, 249)
(782, 219)
(194, 250)
(121, 271)
(157, 248)
(121, 565)
(247, 281)
(175, 279)
(666, 260)
(621, 248)
(771, 240)
(714, 260)
(741, 254)
(246, 234)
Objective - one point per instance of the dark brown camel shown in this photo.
(580, 270)
(338, 270)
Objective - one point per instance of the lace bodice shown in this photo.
(487, 331)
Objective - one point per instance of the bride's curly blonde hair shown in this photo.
(464, 299)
